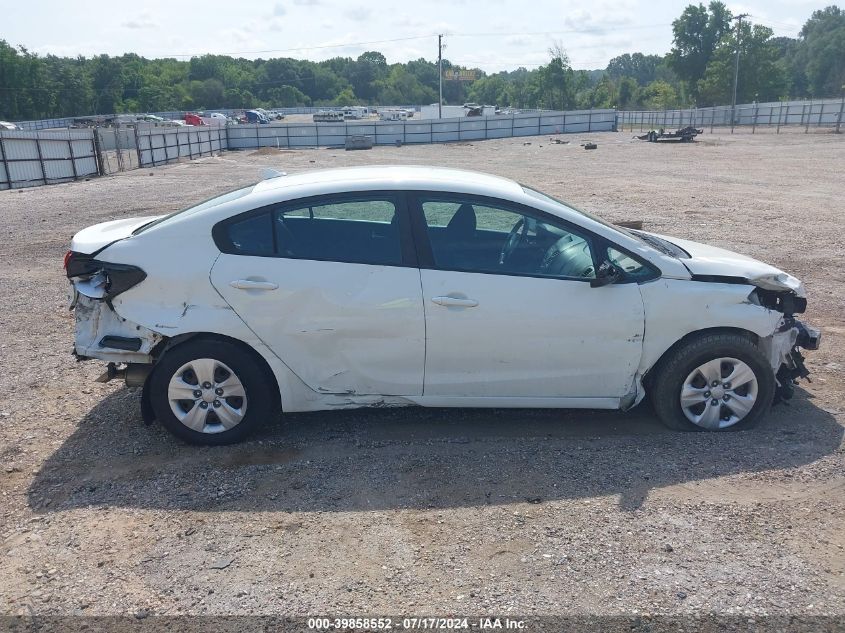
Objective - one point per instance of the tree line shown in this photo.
(698, 70)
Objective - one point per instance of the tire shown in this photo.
(682, 372)
(243, 404)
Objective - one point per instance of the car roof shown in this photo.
(393, 177)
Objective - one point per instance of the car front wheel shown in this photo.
(210, 392)
(712, 383)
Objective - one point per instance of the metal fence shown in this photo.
(826, 113)
(294, 135)
(159, 146)
(29, 159)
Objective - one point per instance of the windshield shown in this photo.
(649, 240)
(207, 204)
(546, 198)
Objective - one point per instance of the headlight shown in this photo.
(779, 282)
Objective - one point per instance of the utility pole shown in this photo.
(736, 70)
(440, 75)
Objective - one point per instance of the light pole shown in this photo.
(440, 75)
(736, 69)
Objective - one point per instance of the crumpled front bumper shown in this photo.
(783, 349)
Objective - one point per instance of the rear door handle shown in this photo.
(249, 284)
(455, 301)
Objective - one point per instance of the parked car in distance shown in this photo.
(393, 114)
(398, 286)
(150, 118)
(6, 125)
(214, 118)
(254, 116)
(327, 116)
(193, 119)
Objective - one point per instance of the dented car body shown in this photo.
(392, 286)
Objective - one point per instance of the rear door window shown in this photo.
(354, 231)
(357, 230)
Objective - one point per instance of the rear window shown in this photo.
(202, 206)
(355, 231)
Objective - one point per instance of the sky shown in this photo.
(491, 34)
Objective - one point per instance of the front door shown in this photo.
(509, 308)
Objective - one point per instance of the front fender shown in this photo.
(675, 308)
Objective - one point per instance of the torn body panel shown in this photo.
(347, 329)
(98, 327)
(676, 308)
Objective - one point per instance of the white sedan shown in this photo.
(396, 286)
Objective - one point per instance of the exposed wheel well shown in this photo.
(167, 344)
(649, 374)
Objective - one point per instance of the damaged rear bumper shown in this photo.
(103, 334)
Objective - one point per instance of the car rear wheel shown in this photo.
(713, 382)
(210, 392)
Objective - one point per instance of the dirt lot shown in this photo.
(433, 511)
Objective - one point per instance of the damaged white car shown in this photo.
(392, 286)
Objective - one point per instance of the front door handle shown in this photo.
(249, 284)
(455, 301)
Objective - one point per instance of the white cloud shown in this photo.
(602, 28)
(359, 14)
(143, 21)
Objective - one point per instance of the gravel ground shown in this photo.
(419, 511)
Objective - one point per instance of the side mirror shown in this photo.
(607, 274)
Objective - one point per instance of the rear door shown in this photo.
(330, 284)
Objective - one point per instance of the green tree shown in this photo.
(697, 33)
(823, 54)
(492, 90)
(760, 76)
(369, 68)
(286, 97)
(345, 97)
(402, 88)
(641, 68)
(658, 95)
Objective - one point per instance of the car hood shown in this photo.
(97, 237)
(711, 261)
